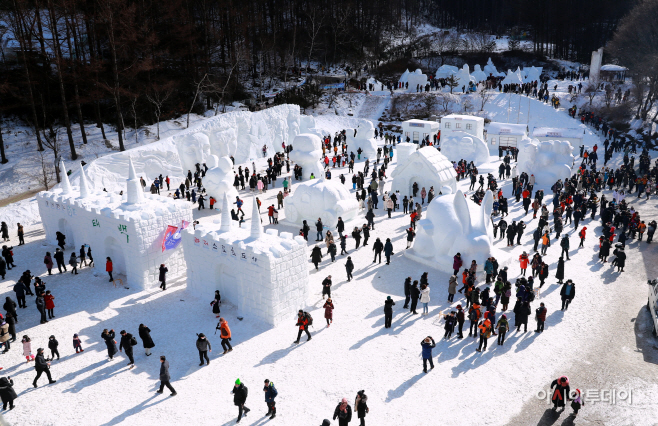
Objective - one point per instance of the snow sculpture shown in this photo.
(454, 224)
(404, 78)
(532, 74)
(490, 69)
(327, 199)
(427, 166)
(219, 178)
(461, 145)
(307, 151)
(364, 139)
(193, 148)
(416, 78)
(128, 230)
(547, 160)
(464, 78)
(404, 150)
(224, 143)
(265, 275)
(478, 74)
(446, 71)
(515, 77)
(307, 125)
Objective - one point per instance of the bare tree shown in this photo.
(158, 95)
(592, 90)
(44, 173)
(51, 141)
(485, 96)
(430, 102)
(446, 101)
(452, 82)
(133, 112)
(198, 90)
(314, 17)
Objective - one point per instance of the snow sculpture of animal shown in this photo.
(219, 178)
(452, 225)
(193, 148)
(547, 160)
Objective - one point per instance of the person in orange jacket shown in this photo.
(523, 260)
(485, 332)
(225, 334)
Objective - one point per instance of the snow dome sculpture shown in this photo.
(263, 273)
(416, 78)
(307, 151)
(193, 148)
(490, 69)
(461, 145)
(446, 71)
(453, 224)
(327, 199)
(364, 139)
(127, 229)
(478, 74)
(547, 160)
(219, 178)
(426, 166)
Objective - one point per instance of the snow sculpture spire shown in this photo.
(84, 186)
(134, 187)
(226, 216)
(66, 185)
(256, 227)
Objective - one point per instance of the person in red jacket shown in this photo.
(302, 322)
(270, 213)
(523, 260)
(582, 234)
(108, 267)
(50, 304)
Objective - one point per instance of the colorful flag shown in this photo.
(171, 238)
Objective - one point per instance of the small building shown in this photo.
(417, 130)
(573, 135)
(127, 228)
(455, 123)
(504, 135)
(428, 167)
(613, 73)
(263, 273)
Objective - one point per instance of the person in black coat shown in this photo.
(216, 303)
(111, 345)
(407, 292)
(10, 307)
(20, 290)
(621, 260)
(61, 239)
(127, 344)
(343, 412)
(604, 251)
(163, 277)
(3, 267)
(361, 406)
(349, 267)
(559, 274)
(568, 292)
(9, 257)
(378, 247)
(52, 345)
(7, 392)
(59, 258)
(521, 312)
(240, 393)
(42, 366)
(356, 234)
(366, 234)
(388, 312)
(388, 250)
(147, 341)
(165, 377)
(11, 322)
(415, 295)
(316, 256)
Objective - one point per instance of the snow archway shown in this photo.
(64, 227)
(114, 251)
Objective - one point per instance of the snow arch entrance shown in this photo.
(64, 227)
(115, 252)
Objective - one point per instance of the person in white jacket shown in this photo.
(425, 298)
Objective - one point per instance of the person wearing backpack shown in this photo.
(270, 394)
(127, 343)
(540, 313)
(505, 295)
(485, 333)
(473, 316)
(240, 393)
(503, 328)
(304, 320)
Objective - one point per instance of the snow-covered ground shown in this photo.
(602, 341)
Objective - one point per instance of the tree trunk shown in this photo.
(115, 75)
(76, 96)
(58, 60)
(3, 158)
